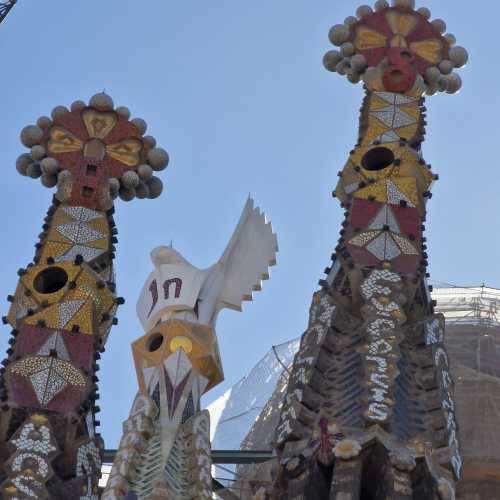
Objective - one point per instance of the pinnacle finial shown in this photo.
(95, 140)
(396, 48)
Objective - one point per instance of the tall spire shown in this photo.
(369, 412)
(65, 302)
(177, 360)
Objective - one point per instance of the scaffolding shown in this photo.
(478, 305)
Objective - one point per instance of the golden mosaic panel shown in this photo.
(53, 249)
(82, 230)
(375, 128)
(98, 123)
(374, 192)
(32, 364)
(63, 141)
(202, 351)
(49, 278)
(84, 319)
(20, 305)
(82, 306)
(49, 315)
(408, 186)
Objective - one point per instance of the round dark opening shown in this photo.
(377, 159)
(155, 342)
(50, 280)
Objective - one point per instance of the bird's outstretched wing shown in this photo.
(247, 258)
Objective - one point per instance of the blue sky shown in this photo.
(236, 92)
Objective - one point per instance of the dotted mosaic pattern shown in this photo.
(366, 377)
(30, 464)
(65, 303)
(48, 376)
(88, 467)
(76, 231)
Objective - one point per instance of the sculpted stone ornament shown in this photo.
(65, 302)
(178, 360)
(372, 363)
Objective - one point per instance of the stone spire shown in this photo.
(65, 302)
(165, 449)
(369, 410)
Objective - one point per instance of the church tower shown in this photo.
(369, 411)
(65, 302)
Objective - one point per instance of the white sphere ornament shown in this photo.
(34, 170)
(350, 21)
(38, 152)
(331, 59)
(338, 34)
(44, 122)
(381, 4)
(59, 111)
(140, 125)
(149, 140)
(342, 67)
(424, 12)
(450, 38)
(23, 162)
(31, 135)
(126, 194)
(49, 181)
(155, 186)
(358, 62)
(123, 111)
(439, 25)
(363, 11)
(443, 84)
(142, 191)
(130, 179)
(446, 67)
(347, 49)
(454, 83)
(458, 56)
(432, 75)
(158, 158)
(49, 166)
(101, 101)
(145, 172)
(78, 106)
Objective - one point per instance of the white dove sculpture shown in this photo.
(177, 289)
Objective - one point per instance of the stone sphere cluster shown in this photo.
(346, 61)
(139, 182)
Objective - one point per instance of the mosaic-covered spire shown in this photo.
(65, 302)
(177, 360)
(369, 409)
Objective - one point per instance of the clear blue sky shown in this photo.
(237, 94)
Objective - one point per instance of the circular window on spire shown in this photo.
(377, 159)
(50, 280)
(155, 342)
